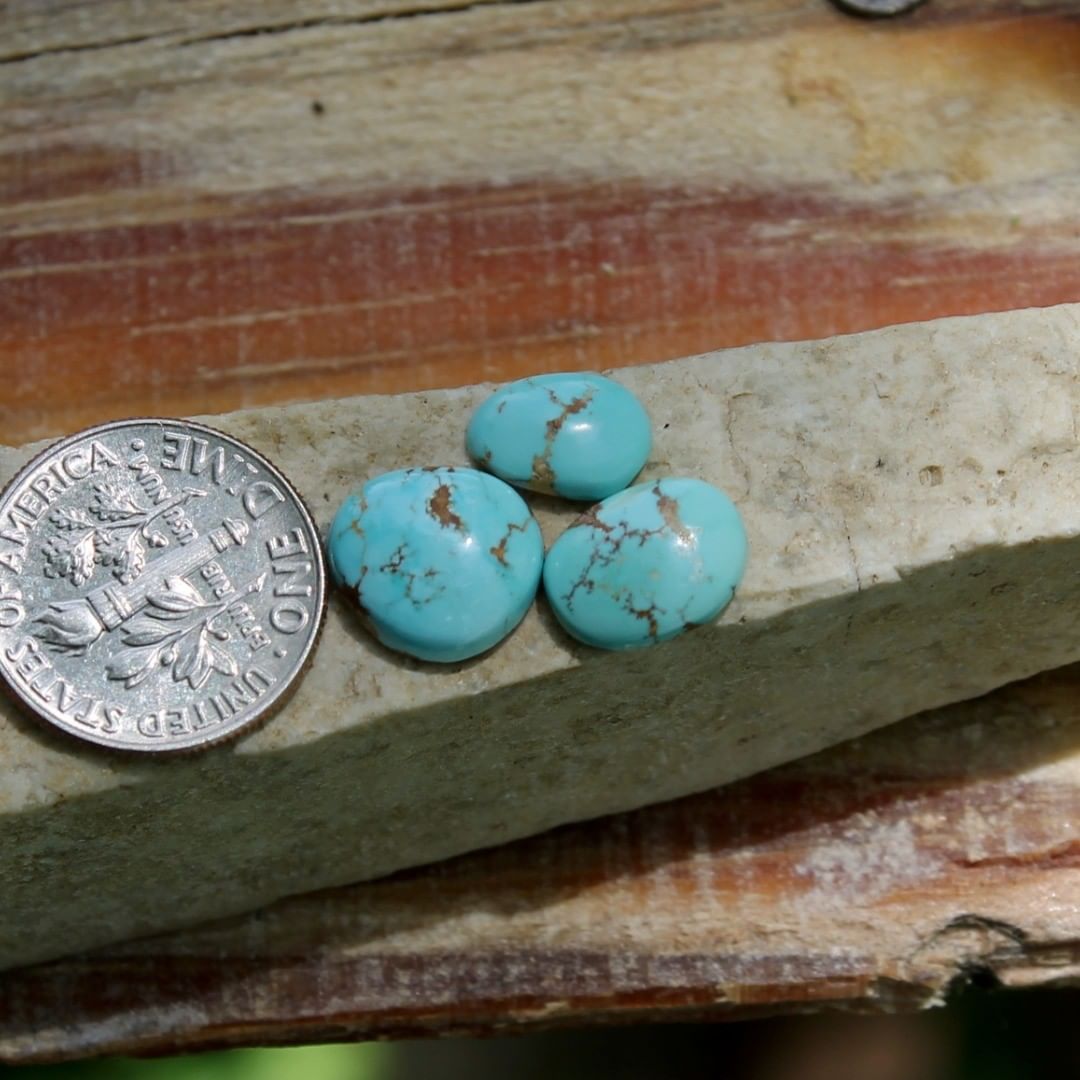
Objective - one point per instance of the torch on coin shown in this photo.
(72, 626)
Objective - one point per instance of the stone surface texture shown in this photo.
(912, 494)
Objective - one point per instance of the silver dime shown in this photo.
(161, 586)
(878, 8)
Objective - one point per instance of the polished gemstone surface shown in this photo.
(579, 435)
(646, 564)
(443, 562)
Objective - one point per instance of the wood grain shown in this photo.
(227, 208)
(209, 205)
(870, 876)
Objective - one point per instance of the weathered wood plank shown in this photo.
(871, 875)
(508, 188)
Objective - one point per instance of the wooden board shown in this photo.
(214, 204)
(870, 876)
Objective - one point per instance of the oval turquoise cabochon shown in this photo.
(646, 564)
(579, 435)
(443, 562)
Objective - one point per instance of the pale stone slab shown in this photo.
(910, 496)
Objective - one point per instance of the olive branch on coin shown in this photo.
(118, 537)
(176, 630)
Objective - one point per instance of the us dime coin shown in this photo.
(161, 586)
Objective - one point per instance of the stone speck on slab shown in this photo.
(911, 498)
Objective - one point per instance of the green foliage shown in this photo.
(365, 1061)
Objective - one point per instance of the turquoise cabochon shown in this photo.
(443, 562)
(579, 435)
(646, 564)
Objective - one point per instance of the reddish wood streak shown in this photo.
(279, 297)
(486, 990)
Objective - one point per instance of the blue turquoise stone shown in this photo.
(578, 435)
(646, 564)
(443, 563)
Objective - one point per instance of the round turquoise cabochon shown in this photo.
(443, 562)
(646, 564)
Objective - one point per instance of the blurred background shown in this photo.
(983, 1034)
